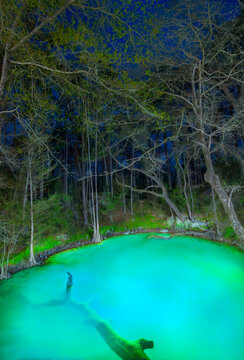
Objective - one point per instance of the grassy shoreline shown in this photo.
(56, 243)
(48, 243)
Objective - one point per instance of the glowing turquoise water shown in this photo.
(185, 294)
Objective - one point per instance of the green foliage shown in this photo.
(229, 169)
(52, 216)
(146, 221)
(230, 234)
(178, 198)
(109, 204)
(71, 64)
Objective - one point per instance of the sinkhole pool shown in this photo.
(185, 294)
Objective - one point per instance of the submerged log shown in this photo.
(125, 349)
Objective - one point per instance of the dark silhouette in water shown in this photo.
(126, 350)
(70, 279)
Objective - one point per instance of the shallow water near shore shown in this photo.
(185, 294)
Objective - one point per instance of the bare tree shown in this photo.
(197, 73)
(10, 234)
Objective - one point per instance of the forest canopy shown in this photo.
(113, 108)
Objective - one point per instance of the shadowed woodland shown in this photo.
(114, 114)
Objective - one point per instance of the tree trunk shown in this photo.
(84, 194)
(84, 199)
(32, 258)
(214, 181)
(41, 187)
(163, 195)
(168, 164)
(185, 190)
(3, 274)
(66, 164)
(215, 212)
(124, 196)
(171, 204)
(178, 177)
(4, 71)
(188, 168)
(111, 176)
(26, 191)
(82, 175)
(106, 172)
(131, 193)
(96, 237)
(131, 185)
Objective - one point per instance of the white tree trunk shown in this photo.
(185, 191)
(96, 237)
(26, 190)
(215, 212)
(32, 258)
(190, 189)
(212, 178)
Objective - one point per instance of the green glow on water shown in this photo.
(185, 294)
